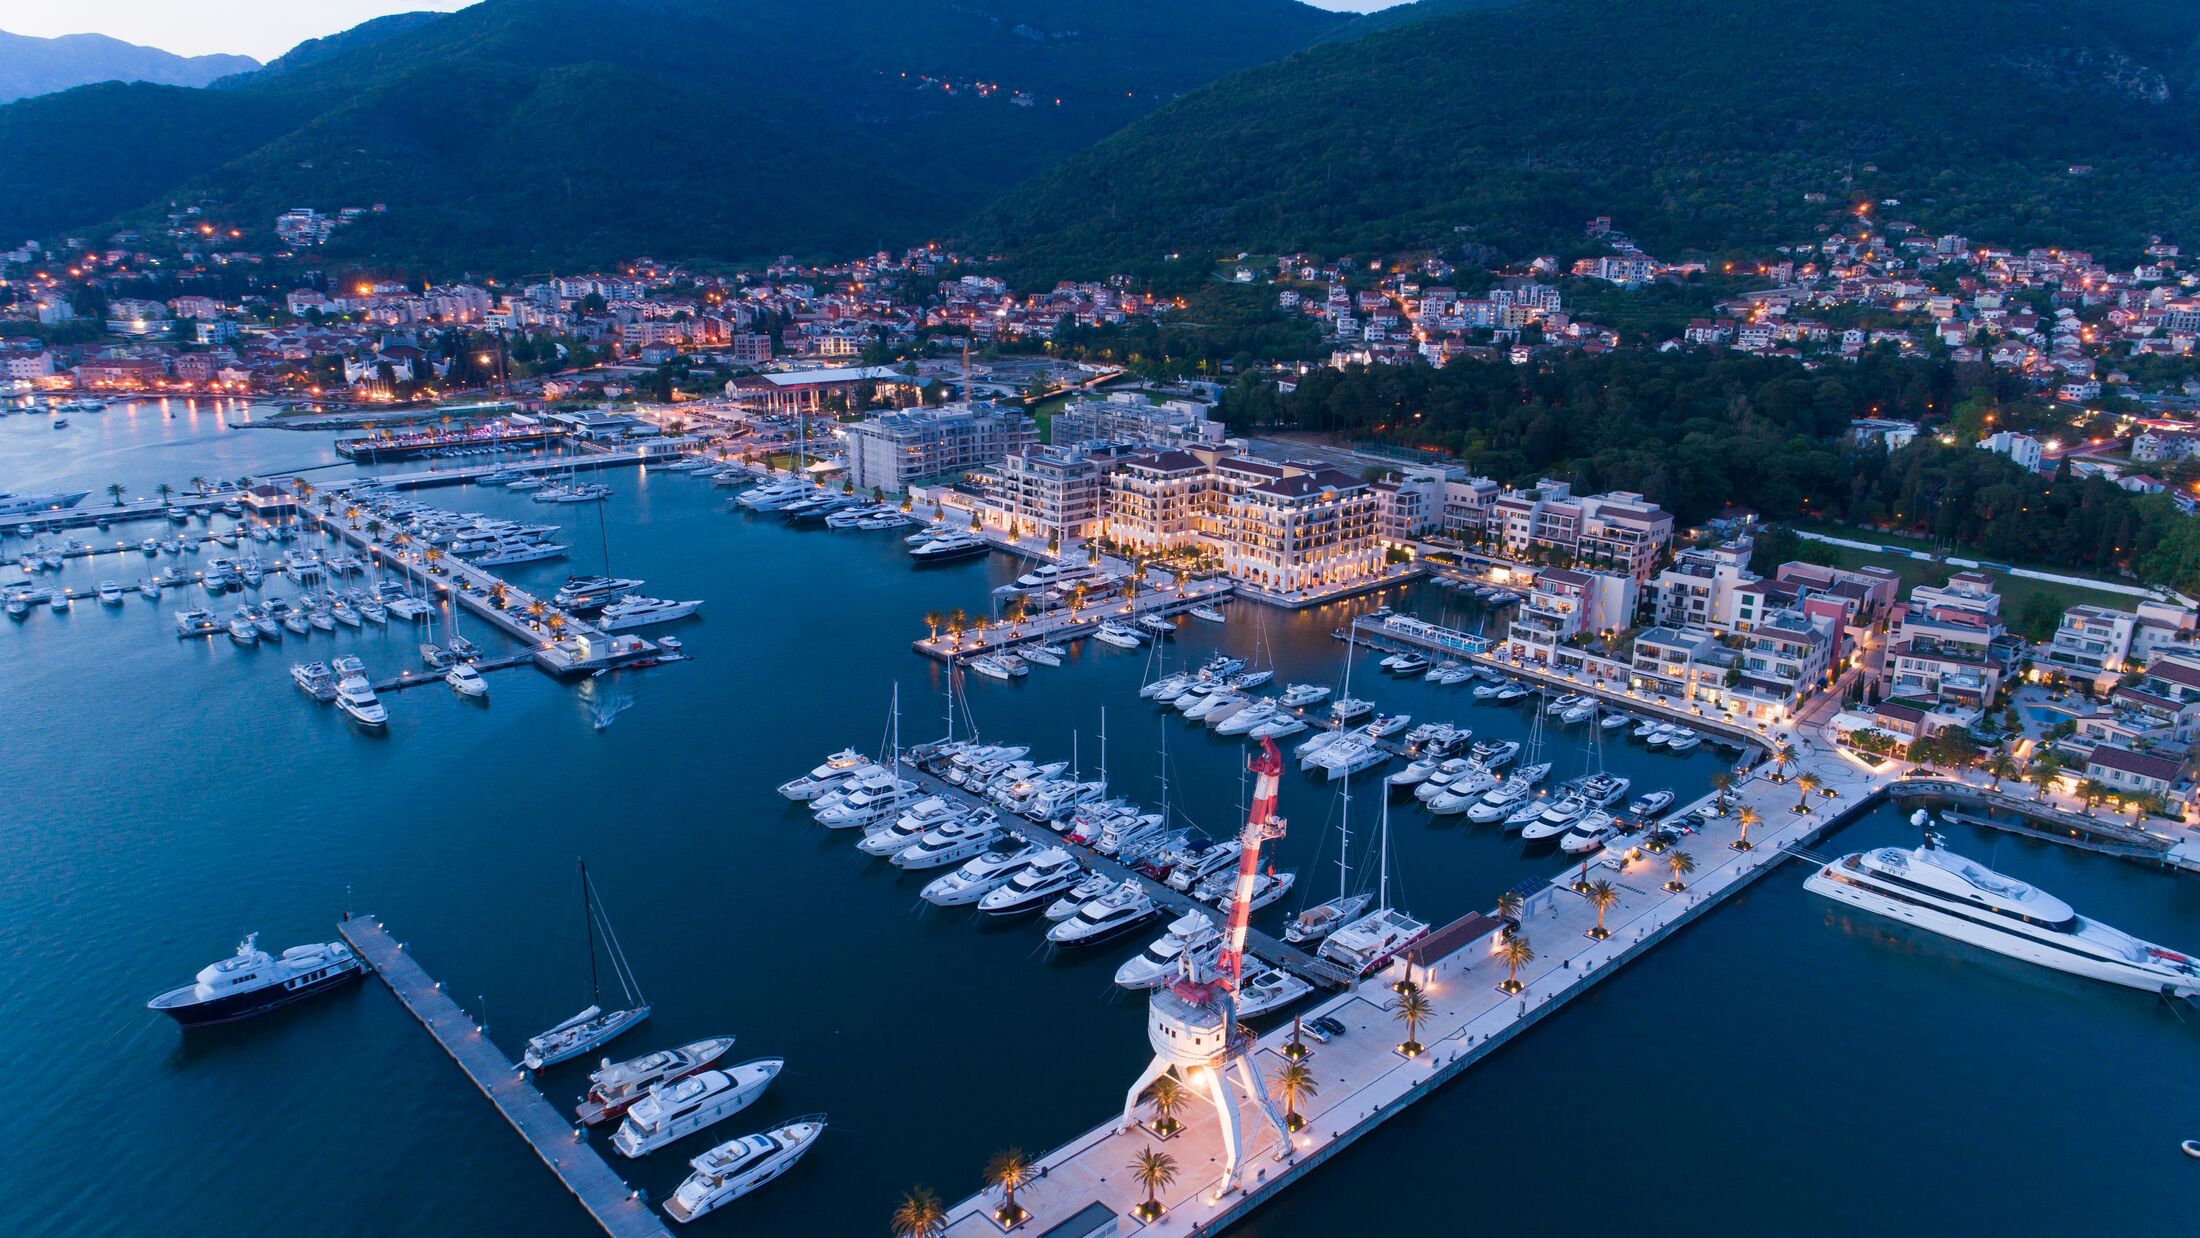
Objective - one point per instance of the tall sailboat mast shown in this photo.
(588, 918)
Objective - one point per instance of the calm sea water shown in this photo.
(1784, 1066)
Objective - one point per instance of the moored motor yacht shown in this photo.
(355, 696)
(733, 1169)
(315, 679)
(981, 876)
(1592, 831)
(252, 982)
(1301, 695)
(1047, 876)
(1106, 917)
(633, 611)
(1372, 940)
(1953, 896)
(615, 1086)
(951, 843)
(1268, 988)
(827, 776)
(684, 1106)
(1268, 887)
(1553, 819)
(1192, 933)
(1073, 900)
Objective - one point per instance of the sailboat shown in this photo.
(593, 1026)
(436, 656)
(1374, 939)
(1322, 919)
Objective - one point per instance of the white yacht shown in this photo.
(1351, 709)
(110, 593)
(1049, 874)
(1301, 695)
(1350, 755)
(835, 770)
(684, 1106)
(1462, 793)
(950, 844)
(466, 681)
(1945, 893)
(1592, 831)
(735, 1168)
(1192, 933)
(355, 696)
(586, 593)
(1499, 801)
(1106, 917)
(1555, 819)
(633, 611)
(949, 547)
(862, 810)
(1267, 888)
(314, 679)
(981, 876)
(1117, 635)
(615, 1086)
(196, 623)
(1268, 988)
(1603, 790)
(1372, 940)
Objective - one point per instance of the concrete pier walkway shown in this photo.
(613, 1204)
(1365, 1077)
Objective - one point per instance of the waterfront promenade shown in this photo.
(1362, 1076)
(615, 1206)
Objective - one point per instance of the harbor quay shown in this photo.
(1477, 1001)
(560, 643)
(1069, 623)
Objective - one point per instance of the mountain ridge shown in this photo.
(31, 65)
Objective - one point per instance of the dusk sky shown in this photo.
(263, 29)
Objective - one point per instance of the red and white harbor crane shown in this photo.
(1192, 1022)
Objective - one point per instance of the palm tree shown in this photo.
(2092, 791)
(1781, 756)
(1017, 611)
(957, 620)
(1508, 906)
(2001, 765)
(1809, 783)
(920, 1215)
(164, 490)
(1295, 1081)
(1155, 1170)
(933, 619)
(1749, 818)
(1603, 896)
(1412, 1008)
(199, 484)
(114, 492)
(1682, 864)
(1515, 953)
(1011, 1171)
(2044, 773)
(1722, 783)
(1166, 1093)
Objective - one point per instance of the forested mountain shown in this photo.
(570, 132)
(34, 66)
(1696, 124)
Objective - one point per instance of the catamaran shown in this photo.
(593, 1026)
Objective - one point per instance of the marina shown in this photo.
(485, 889)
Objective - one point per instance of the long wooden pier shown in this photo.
(614, 1205)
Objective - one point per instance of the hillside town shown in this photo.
(879, 352)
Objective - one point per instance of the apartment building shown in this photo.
(1059, 493)
(1700, 588)
(1946, 645)
(1618, 530)
(892, 450)
(1132, 418)
(1565, 603)
(1284, 526)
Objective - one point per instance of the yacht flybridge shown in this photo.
(1948, 894)
(593, 1026)
(735, 1168)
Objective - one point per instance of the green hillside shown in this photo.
(1694, 123)
(548, 132)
